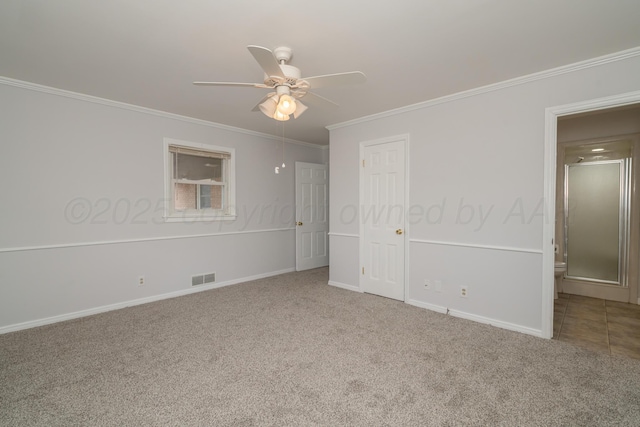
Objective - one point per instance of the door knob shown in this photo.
(298, 223)
(399, 231)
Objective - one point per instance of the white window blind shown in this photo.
(199, 153)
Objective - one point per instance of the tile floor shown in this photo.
(600, 325)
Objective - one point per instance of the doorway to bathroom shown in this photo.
(604, 120)
(594, 214)
(597, 228)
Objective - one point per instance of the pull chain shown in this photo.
(283, 145)
(277, 168)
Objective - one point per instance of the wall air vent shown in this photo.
(202, 279)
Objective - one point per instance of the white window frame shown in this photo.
(228, 213)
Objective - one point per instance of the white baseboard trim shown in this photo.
(117, 306)
(476, 318)
(344, 286)
(432, 307)
(497, 323)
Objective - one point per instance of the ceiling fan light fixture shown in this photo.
(280, 117)
(300, 108)
(286, 105)
(269, 106)
(286, 80)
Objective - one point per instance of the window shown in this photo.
(199, 182)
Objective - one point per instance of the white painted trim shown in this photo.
(594, 62)
(473, 245)
(201, 215)
(457, 313)
(343, 235)
(144, 239)
(131, 303)
(431, 307)
(497, 323)
(549, 224)
(405, 139)
(345, 286)
(124, 106)
(550, 149)
(407, 224)
(476, 318)
(628, 98)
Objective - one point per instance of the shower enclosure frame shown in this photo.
(624, 225)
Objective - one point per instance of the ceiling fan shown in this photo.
(288, 83)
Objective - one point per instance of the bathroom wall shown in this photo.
(477, 157)
(617, 121)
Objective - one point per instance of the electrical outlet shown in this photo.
(463, 291)
(141, 281)
(428, 284)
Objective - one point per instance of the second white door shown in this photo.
(382, 218)
(312, 224)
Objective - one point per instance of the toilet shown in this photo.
(560, 268)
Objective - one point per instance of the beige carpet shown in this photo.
(291, 350)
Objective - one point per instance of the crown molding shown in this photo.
(589, 63)
(124, 106)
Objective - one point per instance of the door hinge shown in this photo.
(362, 162)
(363, 271)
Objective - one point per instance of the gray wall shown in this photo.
(481, 156)
(63, 150)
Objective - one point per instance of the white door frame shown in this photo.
(363, 145)
(548, 227)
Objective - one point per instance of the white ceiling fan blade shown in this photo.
(267, 61)
(259, 85)
(350, 78)
(318, 100)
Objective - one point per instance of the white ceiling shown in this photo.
(148, 52)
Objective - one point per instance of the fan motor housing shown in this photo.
(292, 74)
(283, 54)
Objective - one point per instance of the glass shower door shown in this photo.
(596, 221)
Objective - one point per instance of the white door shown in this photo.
(382, 219)
(312, 225)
